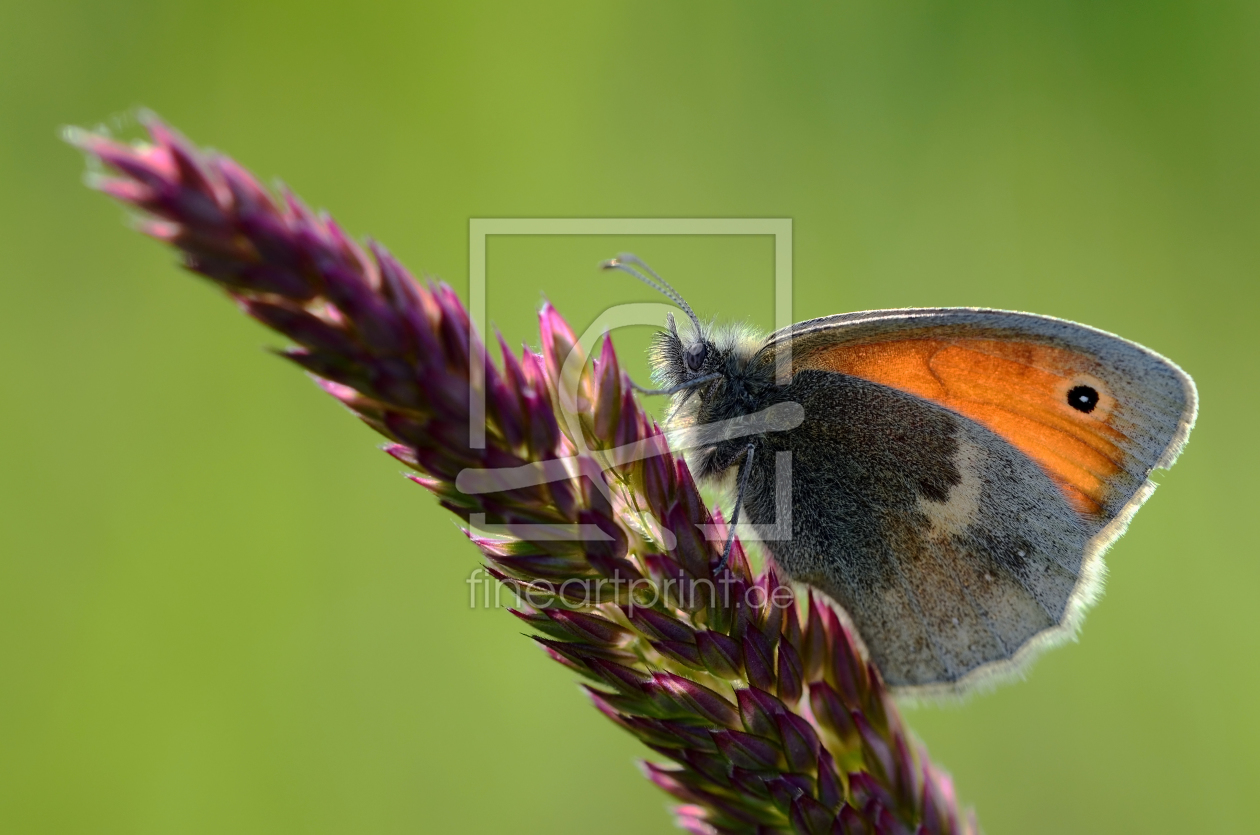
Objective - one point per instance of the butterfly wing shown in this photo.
(1013, 373)
(1046, 432)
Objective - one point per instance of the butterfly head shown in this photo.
(702, 355)
(679, 358)
(714, 376)
(708, 370)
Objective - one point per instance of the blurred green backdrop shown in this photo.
(222, 611)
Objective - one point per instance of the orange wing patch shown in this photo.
(1017, 389)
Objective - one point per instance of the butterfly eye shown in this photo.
(1083, 398)
(695, 355)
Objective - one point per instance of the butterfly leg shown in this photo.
(675, 389)
(745, 468)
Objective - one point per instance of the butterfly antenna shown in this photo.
(626, 262)
(744, 469)
(631, 258)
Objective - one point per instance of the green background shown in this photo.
(222, 611)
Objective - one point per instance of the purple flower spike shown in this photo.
(759, 660)
(757, 699)
(749, 751)
(800, 743)
(790, 673)
(758, 711)
(719, 653)
(811, 817)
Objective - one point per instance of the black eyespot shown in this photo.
(1083, 399)
(695, 356)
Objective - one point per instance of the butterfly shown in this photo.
(956, 478)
